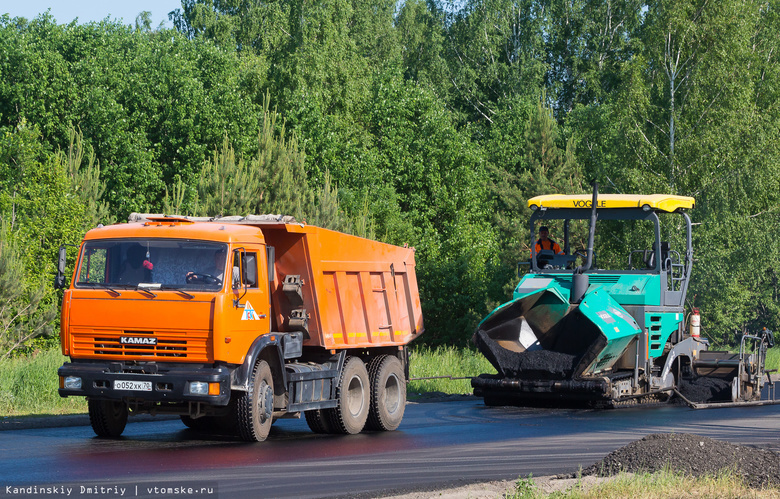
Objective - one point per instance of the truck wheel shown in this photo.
(318, 421)
(354, 399)
(255, 408)
(203, 423)
(388, 393)
(107, 417)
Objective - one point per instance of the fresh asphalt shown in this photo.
(439, 444)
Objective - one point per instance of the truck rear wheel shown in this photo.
(107, 417)
(318, 421)
(388, 393)
(353, 396)
(255, 407)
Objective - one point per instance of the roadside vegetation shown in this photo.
(28, 386)
(773, 357)
(659, 485)
(445, 361)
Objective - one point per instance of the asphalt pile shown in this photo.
(530, 364)
(705, 389)
(692, 455)
(543, 364)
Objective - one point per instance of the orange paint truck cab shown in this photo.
(236, 321)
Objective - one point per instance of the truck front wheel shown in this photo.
(255, 407)
(353, 397)
(388, 393)
(203, 423)
(107, 417)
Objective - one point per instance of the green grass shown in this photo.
(659, 485)
(28, 385)
(773, 357)
(445, 361)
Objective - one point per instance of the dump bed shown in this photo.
(349, 292)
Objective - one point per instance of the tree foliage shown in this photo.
(425, 122)
(40, 209)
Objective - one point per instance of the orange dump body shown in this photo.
(356, 292)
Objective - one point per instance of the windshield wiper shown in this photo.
(174, 288)
(143, 287)
(100, 285)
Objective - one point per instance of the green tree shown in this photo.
(422, 43)
(689, 118)
(22, 315)
(39, 211)
(85, 179)
(150, 105)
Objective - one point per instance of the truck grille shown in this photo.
(193, 346)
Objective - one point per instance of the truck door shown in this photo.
(249, 314)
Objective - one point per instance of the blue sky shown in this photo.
(64, 11)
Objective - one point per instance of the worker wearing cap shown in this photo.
(545, 243)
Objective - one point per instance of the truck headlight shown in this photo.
(199, 388)
(72, 383)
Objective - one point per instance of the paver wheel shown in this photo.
(107, 417)
(388, 393)
(255, 407)
(353, 397)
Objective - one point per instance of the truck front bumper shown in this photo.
(152, 383)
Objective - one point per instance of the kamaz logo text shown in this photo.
(137, 340)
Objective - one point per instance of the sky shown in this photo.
(64, 11)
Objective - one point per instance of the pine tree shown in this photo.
(22, 315)
(85, 179)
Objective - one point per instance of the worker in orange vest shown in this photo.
(545, 243)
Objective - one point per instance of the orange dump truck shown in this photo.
(234, 322)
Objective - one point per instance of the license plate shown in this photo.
(138, 386)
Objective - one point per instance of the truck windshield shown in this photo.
(159, 263)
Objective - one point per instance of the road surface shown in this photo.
(439, 444)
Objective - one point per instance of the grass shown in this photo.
(773, 357)
(445, 361)
(659, 485)
(28, 385)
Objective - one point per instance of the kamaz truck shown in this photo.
(606, 325)
(233, 322)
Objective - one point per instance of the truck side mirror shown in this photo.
(59, 281)
(250, 270)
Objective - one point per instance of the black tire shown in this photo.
(388, 393)
(494, 401)
(318, 421)
(203, 423)
(354, 398)
(255, 408)
(107, 417)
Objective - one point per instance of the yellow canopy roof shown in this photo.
(664, 202)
